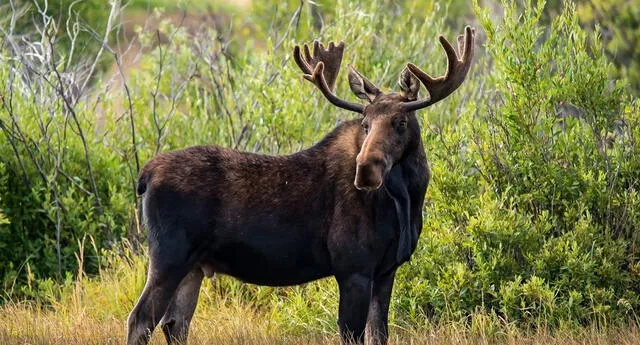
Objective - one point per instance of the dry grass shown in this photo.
(94, 311)
(29, 325)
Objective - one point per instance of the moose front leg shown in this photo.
(355, 295)
(378, 320)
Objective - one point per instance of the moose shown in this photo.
(349, 207)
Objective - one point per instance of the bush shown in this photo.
(619, 24)
(533, 205)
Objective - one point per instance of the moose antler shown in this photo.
(457, 68)
(331, 57)
(322, 69)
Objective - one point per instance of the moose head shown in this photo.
(389, 123)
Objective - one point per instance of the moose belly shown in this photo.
(268, 258)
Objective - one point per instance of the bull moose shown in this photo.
(350, 206)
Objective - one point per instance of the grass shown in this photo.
(93, 310)
(24, 324)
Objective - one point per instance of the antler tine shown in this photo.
(457, 69)
(313, 67)
(461, 48)
(452, 56)
(304, 66)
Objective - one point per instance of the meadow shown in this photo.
(531, 220)
(93, 310)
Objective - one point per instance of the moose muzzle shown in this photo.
(370, 171)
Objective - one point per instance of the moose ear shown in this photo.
(409, 84)
(363, 88)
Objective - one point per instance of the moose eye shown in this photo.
(365, 126)
(401, 126)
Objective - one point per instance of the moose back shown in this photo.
(349, 206)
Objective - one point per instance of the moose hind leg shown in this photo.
(161, 284)
(176, 320)
(355, 295)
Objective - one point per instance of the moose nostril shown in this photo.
(371, 160)
(378, 161)
(369, 175)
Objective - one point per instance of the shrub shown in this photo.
(532, 204)
(618, 21)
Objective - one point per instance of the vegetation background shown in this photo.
(532, 216)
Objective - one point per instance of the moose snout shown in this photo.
(369, 173)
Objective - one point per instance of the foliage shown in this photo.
(532, 213)
(85, 24)
(532, 205)
(619, 24)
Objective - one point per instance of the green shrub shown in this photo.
(532, 209)
(619, 24)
